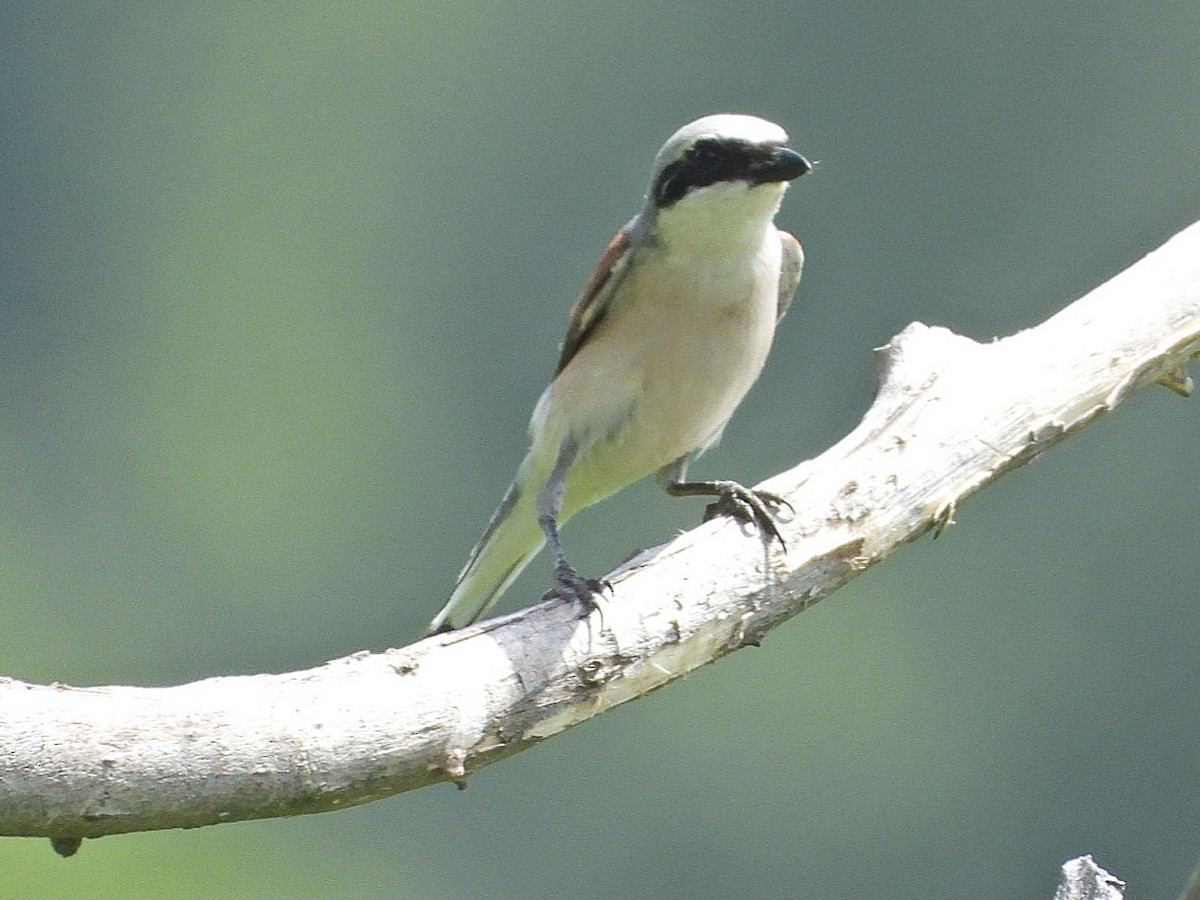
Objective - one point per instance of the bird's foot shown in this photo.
(569, 585)
(759, 508)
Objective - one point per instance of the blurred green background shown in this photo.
(279, 286)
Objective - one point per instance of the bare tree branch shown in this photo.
(950, 416)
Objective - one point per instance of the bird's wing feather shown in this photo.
(592, 306)
(789, 272)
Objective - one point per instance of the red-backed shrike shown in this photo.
(670, 332)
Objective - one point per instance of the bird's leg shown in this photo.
(568, 583)
(759, 508)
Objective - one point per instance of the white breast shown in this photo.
(659, 379)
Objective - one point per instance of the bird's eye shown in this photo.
(706, 153)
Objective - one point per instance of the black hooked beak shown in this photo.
(782, 164)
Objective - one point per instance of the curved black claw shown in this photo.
(758, 508)
(569, 585)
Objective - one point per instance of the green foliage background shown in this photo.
(279, 285)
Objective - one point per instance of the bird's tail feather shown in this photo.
(511, 540)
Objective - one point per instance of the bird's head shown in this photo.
(719, 175)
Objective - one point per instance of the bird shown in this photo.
(668, 335)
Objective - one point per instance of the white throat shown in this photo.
(722, 218)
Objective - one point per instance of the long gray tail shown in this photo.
(511, 540)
